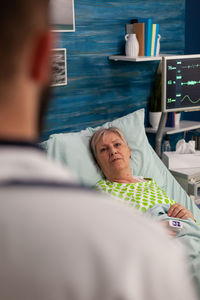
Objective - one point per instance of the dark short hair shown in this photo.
(18, 19)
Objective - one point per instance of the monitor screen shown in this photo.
(181, 82)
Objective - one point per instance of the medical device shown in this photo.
(180, 83)
(186, 169)
(175, 225)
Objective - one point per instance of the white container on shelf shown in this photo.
(158, 45)
(154, 119)
(132, 45)
(177, 118)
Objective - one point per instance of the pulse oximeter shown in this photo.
(175, 225)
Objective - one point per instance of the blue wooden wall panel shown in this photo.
(100, 90)
(192, 41)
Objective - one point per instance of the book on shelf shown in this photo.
(154, 39)
(139, 30)
(153, 36)
(170, 119)
(148, 23)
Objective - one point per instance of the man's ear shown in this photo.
(41, 58)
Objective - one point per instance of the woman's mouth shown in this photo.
(115, 159)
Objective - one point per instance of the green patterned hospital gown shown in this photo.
(141, 195)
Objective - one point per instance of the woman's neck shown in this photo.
(122, 178)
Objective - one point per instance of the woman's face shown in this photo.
(112, 154)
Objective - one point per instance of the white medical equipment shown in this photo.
(186, 170)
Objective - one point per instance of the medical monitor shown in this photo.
(181, 83)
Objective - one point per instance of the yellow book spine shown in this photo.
(153, 35)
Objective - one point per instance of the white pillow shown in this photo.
(72, 149)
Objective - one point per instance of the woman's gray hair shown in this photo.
(100, 133)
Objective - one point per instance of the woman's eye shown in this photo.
(117, 144)
(103, 149)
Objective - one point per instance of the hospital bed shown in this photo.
(72, 149)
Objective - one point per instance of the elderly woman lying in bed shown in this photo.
(112, 154)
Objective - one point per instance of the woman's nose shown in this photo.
(112, 151)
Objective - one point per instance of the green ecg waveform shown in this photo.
(192, 101)
(190, 82)
(191, 66)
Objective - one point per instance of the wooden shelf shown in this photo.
(183, 126)
(136, 58)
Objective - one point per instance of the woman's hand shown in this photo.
(179, 211)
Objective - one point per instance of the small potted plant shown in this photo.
(155, 101)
